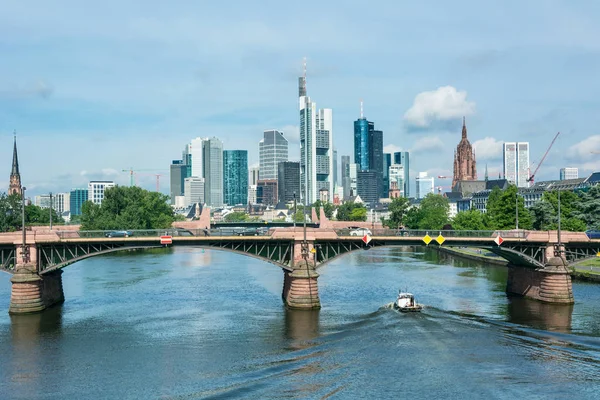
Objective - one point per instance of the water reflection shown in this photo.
(301, 326)
(551, 317)
(27, 328)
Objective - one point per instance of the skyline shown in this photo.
(82, 92)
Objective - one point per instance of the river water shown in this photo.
(191, 323)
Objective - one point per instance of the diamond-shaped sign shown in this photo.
(366, 239)
(440, 239)
(427, 239)
(498, 240)
(313, 250)
(598, 254)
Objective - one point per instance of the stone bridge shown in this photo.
(538, 265)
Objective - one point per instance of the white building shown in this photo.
(252, 194)
(196, 151)
(316, 146)
(425, 185)
(354, 168)
(272, 149)
(569, 173)
(396, 174)
(96, 190)
(194, 191)
(516, 163)
(213, 172)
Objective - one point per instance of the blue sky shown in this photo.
(93, 88)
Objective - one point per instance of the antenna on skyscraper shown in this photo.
(362, 114)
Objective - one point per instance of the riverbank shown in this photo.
(586, 271)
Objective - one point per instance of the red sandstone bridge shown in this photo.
(538, 264)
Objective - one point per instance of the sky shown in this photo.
(96, 88)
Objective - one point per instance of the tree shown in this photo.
(398, 209)
(412, 218)
(545, 212)
(471, 220)
(433, 212)
(10, 212)
(501, 209)
(588, 208)
(350, 211)
(236, 216)
(328, 208)
(128, 208)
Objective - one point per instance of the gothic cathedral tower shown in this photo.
(464, 160)
(15, 177)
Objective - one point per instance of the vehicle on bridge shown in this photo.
(115, 234)
(360, 232)
(593, 234)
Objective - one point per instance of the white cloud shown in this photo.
(488, 149)
(428, 144)
(440, 105)
(292, 133)
(582, 151)
(392, 148)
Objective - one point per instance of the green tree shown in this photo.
(471, 220)
(10, 212)
(413, 217)
(128, 208)
(237, 216)
(588, 208)
(328, 208)
(398, 209)
(350, 211)
(433, 212)
(545, 212)
(501, 209)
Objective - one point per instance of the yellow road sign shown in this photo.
(440, 239)
(598, 254)
(427, 239)
(313, 250)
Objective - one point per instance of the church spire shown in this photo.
(464, 130)
(15, 177)
(486, 172)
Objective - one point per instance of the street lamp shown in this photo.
(558, 232)
(295, 210)
(517, 209)
(24, 249)
(50, 210)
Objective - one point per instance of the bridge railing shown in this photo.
(174, 232)
(433, 233)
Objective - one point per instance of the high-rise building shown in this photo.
(465, 167)
(362, 130)
(213, 172)
(177, 175)
(272, 149)
(252, 189)
(253, 175)
(352, 177)
(368, 151)
(376, 159)
(288, 181)
(336, 182)
(96, 190)
(569, 173)
(365, 188)
(76, 200)
(60, 201)
(235, 176)
(194, 190)
(316, 146)
(346, 176)
(396, 177)
(516, 163)
(196, 155)
(425, 185)
(14, 186)
(266, 192)
(403, 158)
(387, 161)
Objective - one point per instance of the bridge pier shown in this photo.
(300, 288)
(550, 284)
(32, 292)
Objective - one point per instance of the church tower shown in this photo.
(15, 177)
(465, 168)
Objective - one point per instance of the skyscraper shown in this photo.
(368, 151)
(272, 149)
(177, 175)
(194, 190)
(288, 181)
(76, 200)
(345, 160)
(376, 159)
(403, 158)
(424, 185)
(365, 188)
(336, 182)
(569, 173)
(362, 131)
(213, 172)
(14, 186)
(516, 163)
(387, 161)
(396, 177)
(316, 146)
(465, 167)
(196, 155)
(235, 177)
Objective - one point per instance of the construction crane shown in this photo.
(134, 172)
(157, 178)
(532, 177)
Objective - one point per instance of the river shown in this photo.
(190, 323)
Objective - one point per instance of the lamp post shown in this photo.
(50, 210)
(558, 232)
(295, 210)
(517, 209)
(24, 252)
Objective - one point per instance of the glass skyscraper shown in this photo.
(272, 149)
(213, 172)
(78, 197)
(362, 131)
(402, 158)
(235, 177)
(516, 163)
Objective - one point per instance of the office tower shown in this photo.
(235, 177)
(516, 163)
(272, 149)
(61, 202)
(288, 181)
(387, 161)
(177, 175)
(252, 189)
(376, 159)
(253, 175)
(403, 158)
(362, 130)
(76, 200)
(345, 176)
(569, 173)
(336, 182)
(266, 192)
(352, 177)
(194, 190)
(368, 150)
(96, 190)
(365, 188)
(425, 185)
(465, 166)
(396, 177)
(213, 172)
(316, 146)
(196, 156)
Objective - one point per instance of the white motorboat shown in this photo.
(406, 303)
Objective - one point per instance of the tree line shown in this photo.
(11, 214)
